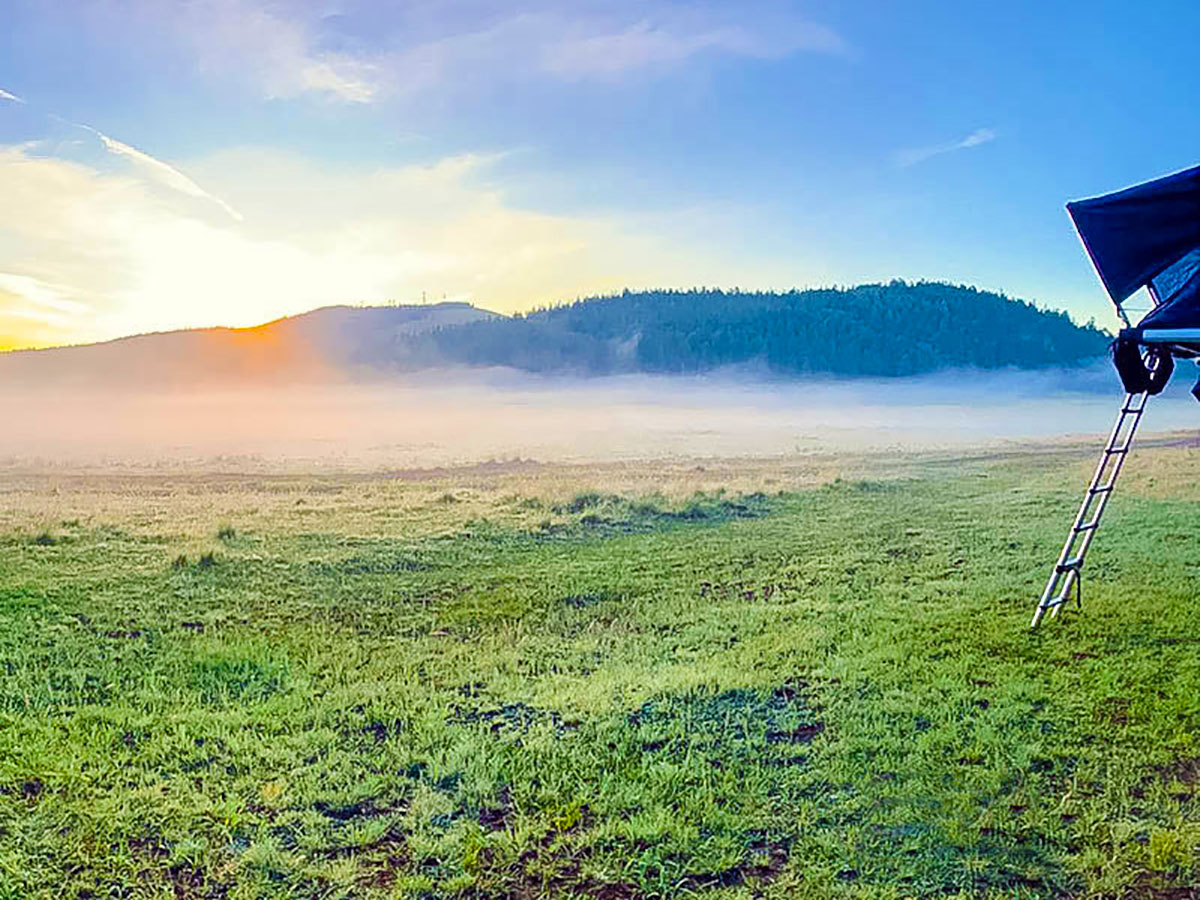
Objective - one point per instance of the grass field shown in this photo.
(806, 679)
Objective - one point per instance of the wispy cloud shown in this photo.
(34, 313)
(367, 52)
(162, 172)
(48, 298)
(646, 43)
(592, 42)
(351, 82)
(12, 98)
(278, 47)
(976, 138)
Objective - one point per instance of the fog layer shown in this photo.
(463, 417)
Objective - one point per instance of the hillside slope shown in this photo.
(331, 341)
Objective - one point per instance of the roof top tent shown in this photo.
(1147, 236)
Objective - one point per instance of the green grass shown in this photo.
(547, 684)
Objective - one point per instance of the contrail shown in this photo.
(976, 138)
(160, 171)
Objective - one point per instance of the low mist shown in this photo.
(468, 416)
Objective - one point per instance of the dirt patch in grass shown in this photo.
(189, 883)
(741, 724)
(765, 862)
(30, 790)
(928, 862)
(509, 718)
(589, 598)
(383, 564)
(553, 866)
(370, 808)
(804, 734)
(1186, 771)
(497, 818)
(148, 848)
(186, 881)
(597, 515)
(1145, 889)
(1113, 711)
(223, 678)
(617, 890)
(118, 634)
(386, 853)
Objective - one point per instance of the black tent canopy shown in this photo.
(1149, 236)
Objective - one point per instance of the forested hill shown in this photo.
(872, 330)
(877, 329)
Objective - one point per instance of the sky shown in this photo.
(226, 162)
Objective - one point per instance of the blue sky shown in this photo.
(227, 161)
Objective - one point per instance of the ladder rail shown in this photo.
(1067, 569)
(1086, 532)
(1092, 522)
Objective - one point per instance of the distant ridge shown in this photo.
(870, 330)
(333, 341)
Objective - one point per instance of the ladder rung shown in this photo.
(1113, 451)
(1102, 489)
(1090, 526)
(1071, 565)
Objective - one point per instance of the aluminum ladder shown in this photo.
(1068, 571)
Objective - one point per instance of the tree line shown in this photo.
(898, 328)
